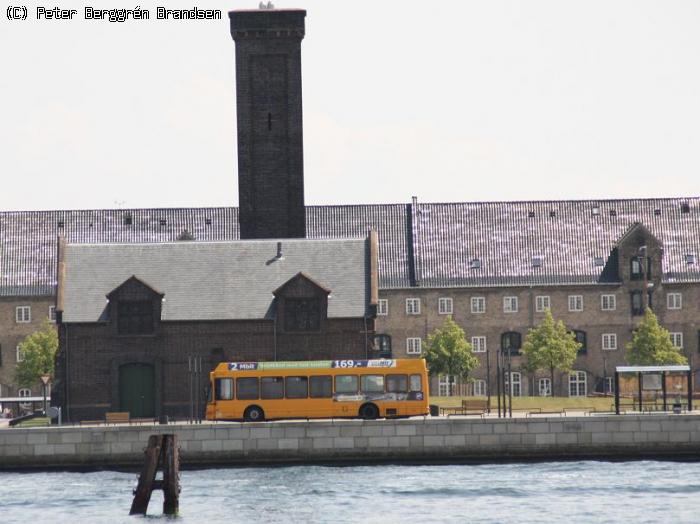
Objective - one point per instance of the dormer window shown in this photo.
(599, 261)
(637, 268)
(302, 314)
(537, 261)
(690, 258)
(475, 263)
(135, 317)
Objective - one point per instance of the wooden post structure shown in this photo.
(162, 451)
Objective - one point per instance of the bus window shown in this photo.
(346, 384)
(272, 387)
(224, 389)
(321, 386)
(247, 388)
(297, 387)
(416, 383)
(396, 383)
(372, 383)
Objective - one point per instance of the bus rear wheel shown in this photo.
(254, 414)
(369, 412)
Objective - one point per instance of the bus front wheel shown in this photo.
(369, 411)
(254, 414)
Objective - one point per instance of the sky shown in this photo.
(448, 101)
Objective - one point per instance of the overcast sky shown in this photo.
(448, 101)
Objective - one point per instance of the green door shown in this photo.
(137, 390)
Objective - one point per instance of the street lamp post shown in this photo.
(45, 378)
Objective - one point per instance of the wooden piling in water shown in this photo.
(162, 452)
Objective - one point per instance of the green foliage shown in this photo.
(651, 344)
(39, 350)
(550, 346)
(448, 351)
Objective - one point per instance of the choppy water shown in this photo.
(644, 491)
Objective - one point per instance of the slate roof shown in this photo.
(420, 244)
(216, 280)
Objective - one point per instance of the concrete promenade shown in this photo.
(452, 439)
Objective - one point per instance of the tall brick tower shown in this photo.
(270, 142)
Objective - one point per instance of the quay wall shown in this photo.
(454, 439)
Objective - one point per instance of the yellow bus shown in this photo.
(369, 389)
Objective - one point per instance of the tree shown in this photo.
(550, 346)
(448, 351)
(39, 352)
(651, 344)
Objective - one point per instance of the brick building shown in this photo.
(470, 255)
(132, 317)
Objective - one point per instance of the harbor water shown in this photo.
(586, 491)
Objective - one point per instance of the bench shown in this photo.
(117, 417)
(468, 407)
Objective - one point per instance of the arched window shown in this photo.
(511, 343)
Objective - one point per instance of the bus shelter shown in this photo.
(652, 380)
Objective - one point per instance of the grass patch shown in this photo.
(38, 422)
(542, 403)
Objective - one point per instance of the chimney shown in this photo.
(270, 138)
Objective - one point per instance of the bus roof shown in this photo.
(312, 364)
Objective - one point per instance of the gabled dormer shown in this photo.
(134, 308)
(639, 255)
(301, 304)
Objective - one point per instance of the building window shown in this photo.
(383, 307)
(511, 343)
(609, 385)
(445, 306)
(609, 341)
(637, 302)
(677, 340)
(52, 313)
(545, 387)
(19, 354)
(23, 314)
(479, 344)
(542, 303)
(478, 304)
(413, 306)
(510, 304)
(479, 389)
(577, 384)
(447, 384)
(575, 302)
(413, 346)
(608, 303)
(674, 301)
(302, 314)
(135, 318)
(637, 268)
(515, 384)
(581, 339)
